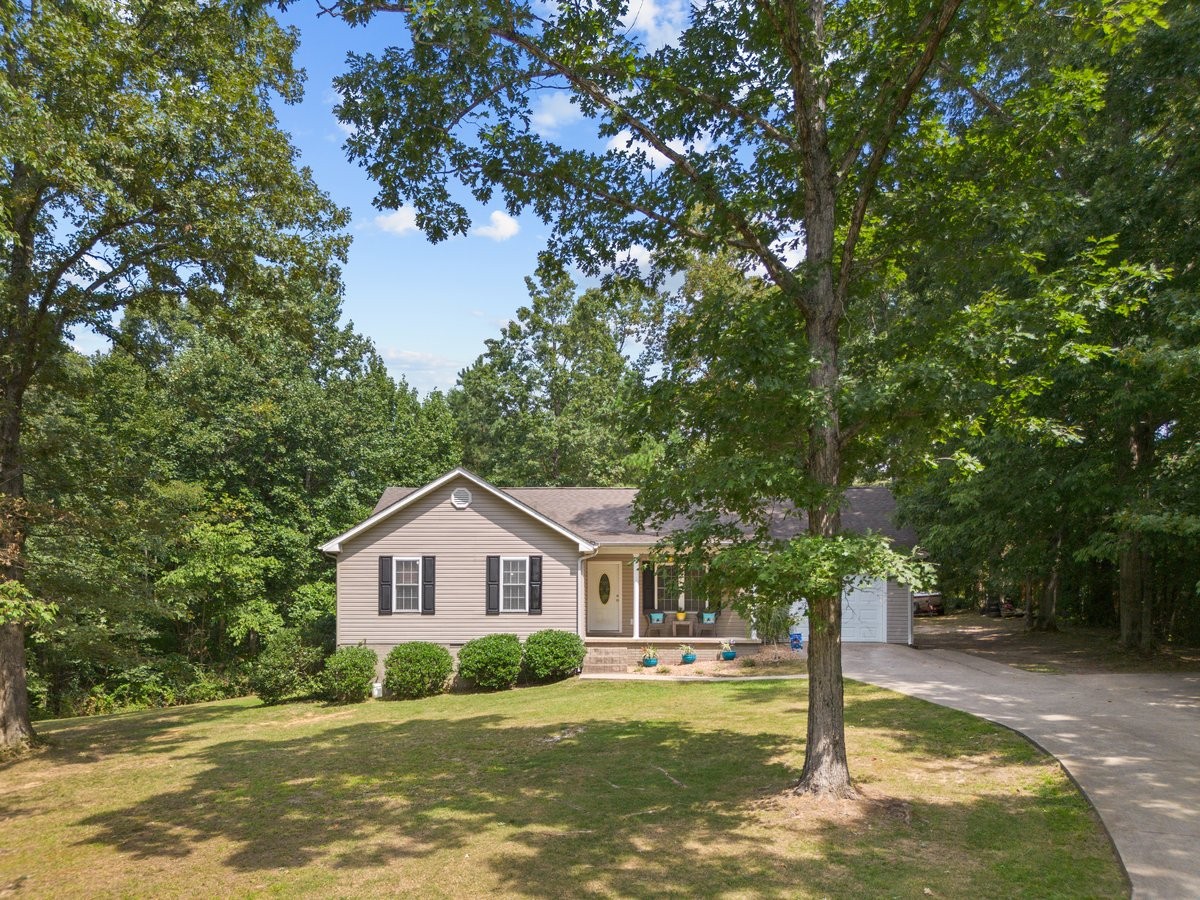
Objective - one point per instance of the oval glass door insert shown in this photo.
(605, 588)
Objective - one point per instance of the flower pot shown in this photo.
(681, 616)
(688, 658)
(728, 654)
(649, 661)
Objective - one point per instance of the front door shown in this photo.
(604, 597)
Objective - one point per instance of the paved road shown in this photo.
(1132, 742)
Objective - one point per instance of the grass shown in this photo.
(584, 789)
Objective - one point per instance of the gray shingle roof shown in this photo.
(602, 514)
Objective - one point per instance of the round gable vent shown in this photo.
(461, 498)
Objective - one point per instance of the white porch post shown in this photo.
(637, 597)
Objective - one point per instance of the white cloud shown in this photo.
(640, 256)
(624, 142)
(553, 112)
(402, 221)
(661, 23)
(502, 228)
(423, 371)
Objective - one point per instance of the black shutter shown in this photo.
(385, 585)
(649, 602)
(535, 585)
(428, 580)
(493, 585)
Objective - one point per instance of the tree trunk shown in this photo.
(16, 729)
(826, 769)
(1130, 593)
(1147, 639)
(1047, 618)
(1135, 605)
(1047, 612)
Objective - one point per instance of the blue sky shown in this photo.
(428, 308)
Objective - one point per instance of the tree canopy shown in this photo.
(782, 136)
(141, 168)
(548, 403)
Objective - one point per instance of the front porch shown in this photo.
(623, 603)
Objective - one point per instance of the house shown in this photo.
(460, 558)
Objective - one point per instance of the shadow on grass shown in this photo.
(933, 731)
(89, 739)
(594, 806)
(369, 794)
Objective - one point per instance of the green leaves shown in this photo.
(548, 404)
(19, 606)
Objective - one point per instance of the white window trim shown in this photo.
(523, 559)
(396, 582)
(683, 599)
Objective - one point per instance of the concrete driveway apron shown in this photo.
(1131, 742)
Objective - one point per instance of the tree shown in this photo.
(546, 404)
(763, 130)
(1103, 358)
(141, 168)
(186, 492)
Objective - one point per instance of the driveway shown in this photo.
(1131, 742)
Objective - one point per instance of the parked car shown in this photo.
(928, 605)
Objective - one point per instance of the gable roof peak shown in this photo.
(409, 497)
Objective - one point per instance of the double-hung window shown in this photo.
(407, 596)
(676, 591)
(514, 584)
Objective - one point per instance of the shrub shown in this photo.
(285, 669)
(215, 684)
(348, 675)
(492, 662)
(552, 654)
(417, 669)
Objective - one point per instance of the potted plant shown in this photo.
(687, 654)
(727, 651)
(681, 615)
(649, 657)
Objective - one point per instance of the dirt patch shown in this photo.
(1069, 651)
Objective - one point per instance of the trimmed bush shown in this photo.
(553, 654)
(417, 669)
(348, 675)
(492, 663)
(285, 670)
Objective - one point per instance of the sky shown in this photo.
(428, 308)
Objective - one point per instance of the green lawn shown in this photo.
(579, 789)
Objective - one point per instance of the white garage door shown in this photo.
(864, 613)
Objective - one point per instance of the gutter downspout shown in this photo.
(580, 581)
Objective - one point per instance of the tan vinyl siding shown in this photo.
(731, 625)
(461, 540)
(899, 612)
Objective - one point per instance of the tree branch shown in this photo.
(882, 142)
(85, 248)
(775, 266)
